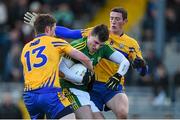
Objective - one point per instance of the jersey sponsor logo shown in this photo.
(111, 41)
(121, 46)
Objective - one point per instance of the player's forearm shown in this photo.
(123, 67)
(124, 64)
(82, 58)
(68, 73)
(63, 32)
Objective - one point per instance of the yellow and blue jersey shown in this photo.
(40, 59)
(124, 44)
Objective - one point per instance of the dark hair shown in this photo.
(120, 10)
(42, 21)
(101, 31)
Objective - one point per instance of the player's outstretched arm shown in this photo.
(60, 31)
(124, 64)
(82, 58)
(63, 32)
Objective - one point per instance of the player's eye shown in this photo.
(117, 19)
(96, 43)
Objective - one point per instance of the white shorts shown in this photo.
(84, 98)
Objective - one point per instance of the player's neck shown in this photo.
(118, 33)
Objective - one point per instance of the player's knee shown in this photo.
(122, 113)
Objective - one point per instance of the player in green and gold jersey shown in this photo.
(96, 48)
(117, 101)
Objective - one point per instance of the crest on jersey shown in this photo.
(111, 42)
(121, 46)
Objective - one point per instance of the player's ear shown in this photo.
(125, 21)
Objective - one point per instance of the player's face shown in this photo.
(51, 30)
(116, 22)
(94, 44)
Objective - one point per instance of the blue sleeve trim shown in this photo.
(63, 32)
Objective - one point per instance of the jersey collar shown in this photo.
(39, 35)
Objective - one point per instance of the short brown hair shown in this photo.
(120, 10)
(42, 21)
(101, 31)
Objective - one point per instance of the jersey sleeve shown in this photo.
(107, 51)
(63, 32)
(138, 49)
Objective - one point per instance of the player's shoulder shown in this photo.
(55, 40)
(106, 47)
(79, 42)
(130, 39)
(51, 40)
(25, 47)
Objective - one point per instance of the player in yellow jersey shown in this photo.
(103, 92)
(40, 58)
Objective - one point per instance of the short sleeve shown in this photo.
(107, 51)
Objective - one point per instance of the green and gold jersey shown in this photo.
(104, 52)
(126, 45)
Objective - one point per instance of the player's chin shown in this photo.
(113, 29)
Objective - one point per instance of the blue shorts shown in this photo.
(100, 94)
(53, 105)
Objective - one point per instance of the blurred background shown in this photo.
(155, 24)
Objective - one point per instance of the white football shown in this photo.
(79, 69)
(69, 63)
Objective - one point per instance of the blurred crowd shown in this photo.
(14, 34)
(159, 73)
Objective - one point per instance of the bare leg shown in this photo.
(84, 112)
(69, 116)
(119, 105)
(98, 115)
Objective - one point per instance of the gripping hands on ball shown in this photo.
(114, 81)
(29, 18)
(88, 77)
